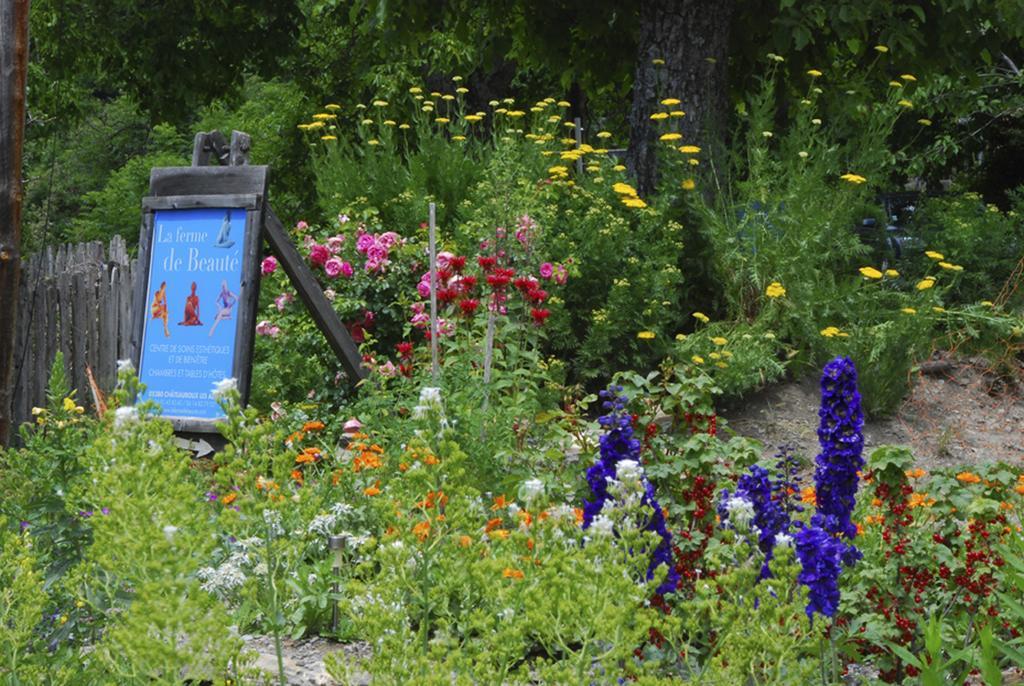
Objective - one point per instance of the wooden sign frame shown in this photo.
(189, 188)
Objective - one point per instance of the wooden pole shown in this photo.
(13, 69)
(433, 293)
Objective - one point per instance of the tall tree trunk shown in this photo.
(13, 68)
(682, 52)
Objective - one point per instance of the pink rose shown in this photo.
(268, 265)
(388, 239)
(333, 267)
(444, 259)
(282, 300)
(330, 294)
(346, 270)
(267, 328)
(318, 254)
(423, 288)
(364, 242)
(334, 243)
(388, 370)
(546, 270)
(302, 226)
(561, 275)
(343, 219)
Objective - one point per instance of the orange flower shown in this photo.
(860, 529)
(1019, 488)
(305, 458)
(297, 475)
(372, 490)
(808, 496)
(313, 426)
(1005, 506)
(422, 530)
(403, 466)
(529, 544)
(430, 459)
(295, 437)
(336, 477)
(915, 473)
(465, 541)
(499, 502)
(920, 500)
(229, 498)
(525, 517)
(493, 524)
(968, 478)
(510, 573)
(578, 512)
(498, 534)
(876, 502)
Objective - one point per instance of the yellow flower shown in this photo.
(689, 149)
(908, 310)
(668, 102)
(680, 336)
(813, 72)
(908, 77)
(870, 272)
(677, 113)
(832, 332)
(373, 141)
(775, 290)
(624, 189)
(328, 138)
(331, 107)
(693, 161)
(634, 202)
(404, 126)
(697, 359)
(461, 90)
(719, 340)
(700, 316)
(657, 61)
(934, 255)
(389, 122)
(767, 134)
(619, 167)
(925, 284)
(803, 154)
(855, 179)
(947, 265)
(604, 134)
(924, 122)
(987, 303)
(882, 48)
(688, 184)
(380, 103)
(816, 121)
(896, 84)
(458, 138)
(892, 273)
(473, 118)
(645, 335)
(366, 122)
(323, 116)
(906, 103)
(564, 103)
(456, 78)
(448, 97)
(722, 365)
(938, 310)
(670, 136)
(657, 116)
(516, 114)
(442, 120)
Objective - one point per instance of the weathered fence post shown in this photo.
(13, 68)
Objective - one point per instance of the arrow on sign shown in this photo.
(201, 448)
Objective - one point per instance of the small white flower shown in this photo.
(741, 512)
(628, 470)
(169, 532)
(784, 540)
(223, 387)
(124, 415)
(602, 525)
(430, 395)
(125, 366)
(532, 489)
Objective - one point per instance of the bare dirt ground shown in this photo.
(958, 412)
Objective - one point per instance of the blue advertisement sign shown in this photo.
(191, 320)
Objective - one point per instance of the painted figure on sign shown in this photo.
(191, 309)
(224, 235)
(159, 306)
(225, 303)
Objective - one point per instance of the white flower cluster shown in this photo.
(741, 512)
(226, 577)
(430, 399)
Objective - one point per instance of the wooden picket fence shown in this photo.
(75, 299)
